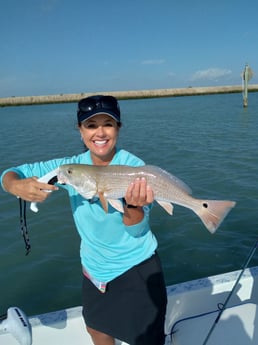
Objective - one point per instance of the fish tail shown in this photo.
(212, 212)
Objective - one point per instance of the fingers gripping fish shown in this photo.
(50, 178)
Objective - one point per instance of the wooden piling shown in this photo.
(246, 76)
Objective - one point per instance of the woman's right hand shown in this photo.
(29, 189)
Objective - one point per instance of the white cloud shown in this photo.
(153, 62)
(211, 74)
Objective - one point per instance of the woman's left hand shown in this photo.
(139, 193)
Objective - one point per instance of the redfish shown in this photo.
(110, 183)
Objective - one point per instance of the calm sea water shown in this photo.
(210, 142)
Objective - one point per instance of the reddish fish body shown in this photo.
(110, 184)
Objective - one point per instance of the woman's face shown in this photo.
(99, 135)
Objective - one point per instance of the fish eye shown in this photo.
(70, 171)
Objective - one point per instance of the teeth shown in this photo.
(102, 142)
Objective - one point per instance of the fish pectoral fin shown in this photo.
(103, 201)
(87, 194)
(167, 206)
(117, 204)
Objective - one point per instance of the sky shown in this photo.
(73, 46)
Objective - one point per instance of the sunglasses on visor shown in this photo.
(89, 106)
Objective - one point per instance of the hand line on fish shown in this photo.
(110, 184)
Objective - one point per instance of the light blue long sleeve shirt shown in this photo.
(108, 246)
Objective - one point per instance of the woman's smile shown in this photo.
(100, 142)
(99, 135)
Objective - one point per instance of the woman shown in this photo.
(123, 291)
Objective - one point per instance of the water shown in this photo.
(210, 142)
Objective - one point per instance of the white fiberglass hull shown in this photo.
(192, 309)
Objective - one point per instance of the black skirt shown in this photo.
(133, 307)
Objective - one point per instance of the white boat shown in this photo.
(216, 310)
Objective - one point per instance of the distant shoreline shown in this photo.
(156, 93)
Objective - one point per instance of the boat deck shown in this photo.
(237, 325)
(192, 309)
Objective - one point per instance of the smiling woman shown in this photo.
(99, 123)
(118, 248)
(99, 135)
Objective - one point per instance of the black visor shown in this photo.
(94, 105)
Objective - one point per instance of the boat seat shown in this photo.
(237, 325)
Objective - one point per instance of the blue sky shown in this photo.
(73, 46)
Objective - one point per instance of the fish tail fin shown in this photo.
(212, 212)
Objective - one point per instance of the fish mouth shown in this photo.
(53, 180)
(60, 178)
